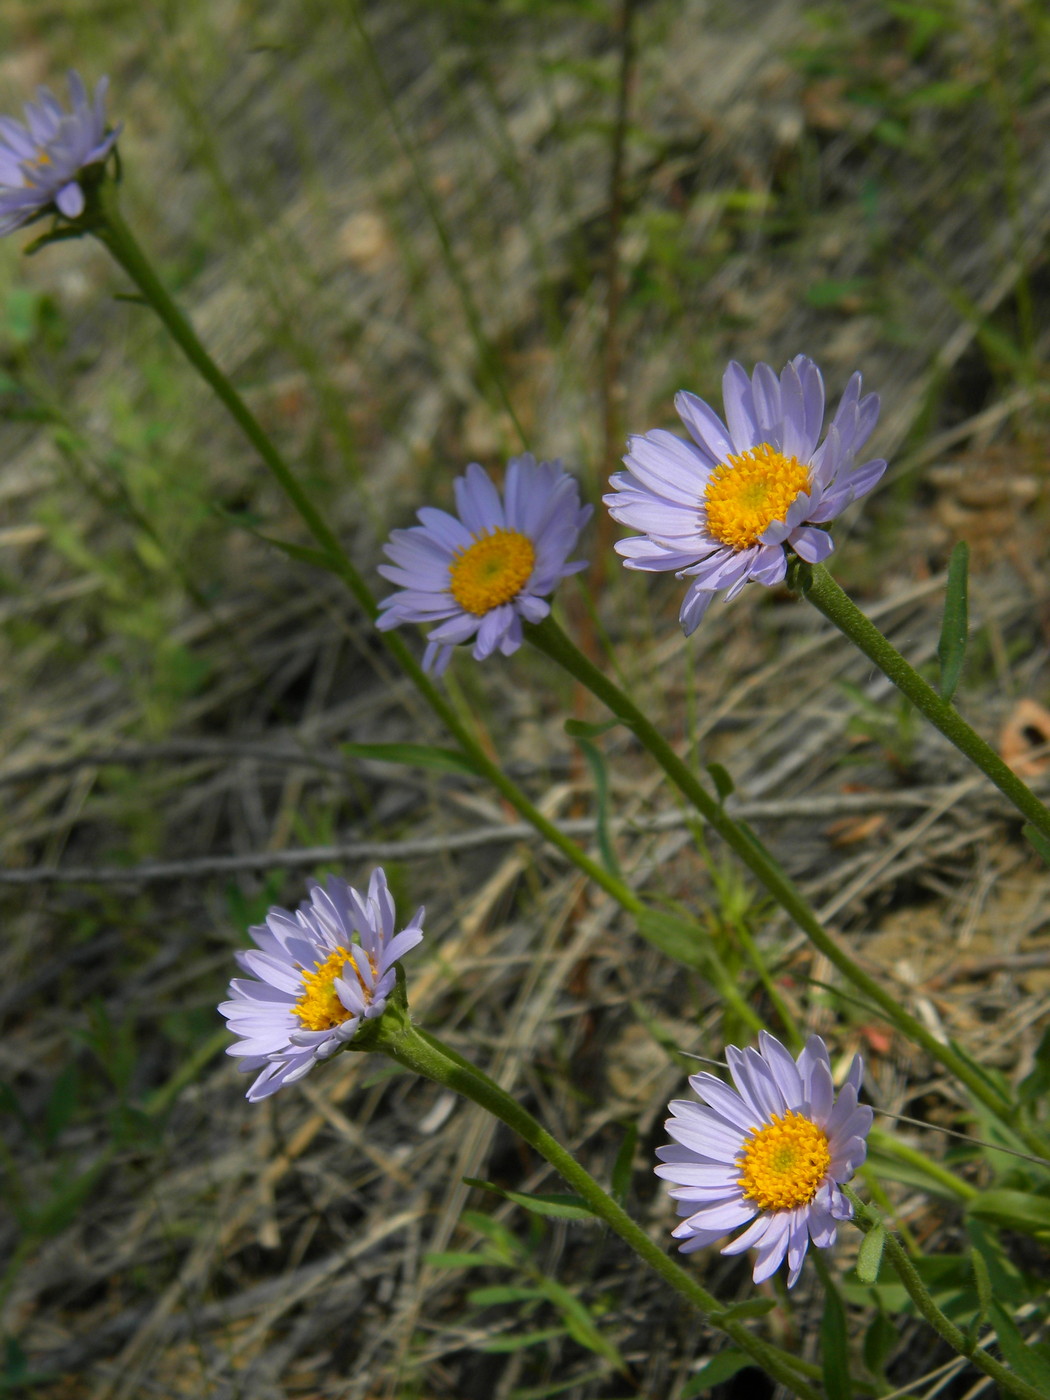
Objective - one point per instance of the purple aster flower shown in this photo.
(481, 574)
(312, 985)
(771, 1154)
(721, 509)
(40, 163)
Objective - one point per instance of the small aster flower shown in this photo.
(773, 1152)
(721, 508)
(312, 985)
(480, 575)
(41, 162)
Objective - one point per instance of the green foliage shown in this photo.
(536, 1291)
(893, 726)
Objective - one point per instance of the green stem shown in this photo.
(426, 1055)
(114, 233)
(549, 638)
(866, 1219)
(827, 597)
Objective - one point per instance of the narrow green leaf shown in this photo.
(502, 1293)
(722, 779)
(743, 1312)
(834, 1345)
(1006, 1282)
(1035, 838)
(879, 1341)
(1030, 1362)
(983, 1283)
(581, 729)
(600, 776)
(460, 1259)
(674, 937)
(720, 1368)
(414, 755)
(579, 1324)
(1013, 1210)
(555, 1205)
(955, 625)
(869, 1256)
(621, 1172)
(505, 1241)
(517, 1341)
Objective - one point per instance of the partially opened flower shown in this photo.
(41, 163)
(480, 575)
(312, 985)
(722, 508)
(771, 1154)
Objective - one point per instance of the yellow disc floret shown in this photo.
(748, 491)
(491, 571)
(319, 1007)
(783, 1164)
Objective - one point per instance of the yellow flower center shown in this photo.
(38, 162)
(747, 492)
(784, 1163)
(319, 1007)
(493, 570)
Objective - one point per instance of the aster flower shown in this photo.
(311, 984)
(480, 575)
(722, 508)
(773, 1152)
(41, 162)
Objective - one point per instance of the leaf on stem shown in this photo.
(621, 1172)
(600, 775)
(955, 625)
(720, 1368)
(834, 1340)
(724, 785)
(415, 755)
(554, 1205)
(1031, 1362)
(869, 1256)
(1013, 1210)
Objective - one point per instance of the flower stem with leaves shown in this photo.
(417, 1050)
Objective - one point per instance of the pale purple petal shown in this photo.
(705, 1158)
(663, 493)
(540, 501)
(262, 1013)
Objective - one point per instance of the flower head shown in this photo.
(773, 1152)
(480, 574)
(40, 163)
(721, 508)
(312, 985)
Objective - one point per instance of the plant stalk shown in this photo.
(549, 638)
(820, 589)
(424, 1054)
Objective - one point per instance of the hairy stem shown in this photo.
(867, 1219)
(426, 1055)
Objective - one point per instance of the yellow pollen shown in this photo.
(41, 159)
(747, 492)
(319, 1007)
(783, 1164)
(491, 571)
